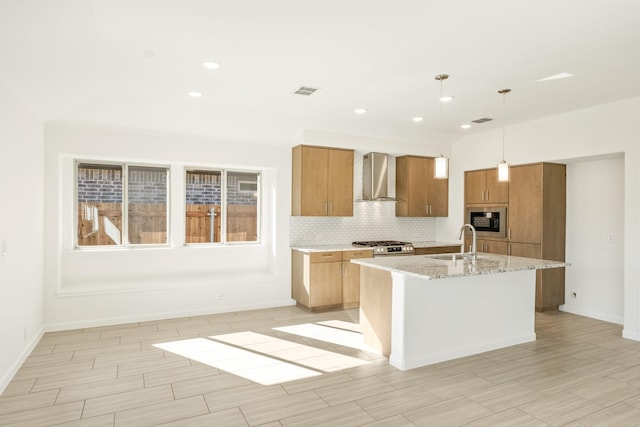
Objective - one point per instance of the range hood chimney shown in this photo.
(374, 176)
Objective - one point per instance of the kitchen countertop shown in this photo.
(428, 268)
(350, 247)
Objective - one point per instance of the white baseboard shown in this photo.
(568, 308)
(92, 323)
(13, 370)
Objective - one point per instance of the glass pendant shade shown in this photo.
(442, 167)
(503, 171)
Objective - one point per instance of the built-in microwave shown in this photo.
(489, 221)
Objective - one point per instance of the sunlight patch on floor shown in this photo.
(328, 334)
(246, 364)
(301, 354)
(341, 324)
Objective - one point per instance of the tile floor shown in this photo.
(240, 369)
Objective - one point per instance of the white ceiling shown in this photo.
(129, 63)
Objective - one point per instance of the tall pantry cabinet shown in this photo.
(535, 198)
(537, 224)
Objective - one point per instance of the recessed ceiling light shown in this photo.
(465, 126)
(446, 98)
(418, 119)
(210, 65)
(556, 77)
(194, 94)
(360, 110)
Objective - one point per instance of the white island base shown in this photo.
(417, 322)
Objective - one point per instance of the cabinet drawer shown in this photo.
(349, 255)
(437, 250)
(325, 256)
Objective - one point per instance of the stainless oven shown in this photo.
(489, 221)
(386, 247)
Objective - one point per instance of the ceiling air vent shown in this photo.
(304, 90)
(482, 120)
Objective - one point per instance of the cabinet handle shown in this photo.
(509, 234)
(509, 249)
(483, 195)
(330, 207)
(344, 270)
(430, 210)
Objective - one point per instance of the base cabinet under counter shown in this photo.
(437, 250)
(326, 280)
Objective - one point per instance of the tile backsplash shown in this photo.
(371, 220)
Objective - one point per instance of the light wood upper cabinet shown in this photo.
(418, 192)
(322, 181)
(340, 182)
(482, 186)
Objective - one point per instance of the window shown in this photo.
(102, 191)
(219, 212)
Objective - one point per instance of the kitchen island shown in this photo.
(420, 310)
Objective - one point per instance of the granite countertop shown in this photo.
(350, 247)
(428, 267)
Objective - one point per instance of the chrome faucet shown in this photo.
(472, 253)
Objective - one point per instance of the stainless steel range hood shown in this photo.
(374, 176)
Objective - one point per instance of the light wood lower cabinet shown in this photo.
(437, 250)
(326, 280)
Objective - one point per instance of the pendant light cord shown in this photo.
(504, 93)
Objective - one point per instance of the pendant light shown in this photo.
(503, 166)
(441, 162)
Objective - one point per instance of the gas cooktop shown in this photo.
(386, 247)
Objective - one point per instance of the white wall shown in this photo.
(595, 239)
(96, 287)
(597, 131)
(21, 227)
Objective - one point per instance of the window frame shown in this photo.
(125, 243)
(224, 205)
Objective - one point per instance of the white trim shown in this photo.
(15, 367)
(568, 308)
(207, 281)
(65, 326)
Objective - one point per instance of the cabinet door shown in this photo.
(417, 190)
(340, 182)
(525, 204)
(488, 246)
(525, 250)
(350, 285)
(326, 284)
(496, 192)
(475, 184)
(351, 277)
(314, 181)
(496, 247)
(437, 192)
